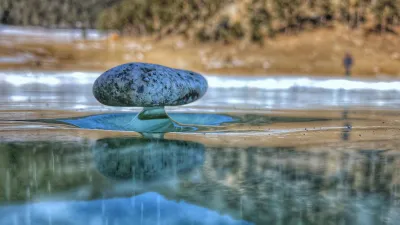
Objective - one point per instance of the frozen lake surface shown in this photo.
(281, 150)
(69, 90)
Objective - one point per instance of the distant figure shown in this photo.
(348, 63)
(38, 63)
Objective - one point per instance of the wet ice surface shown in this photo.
(115, 180)
(72, 90)
(283, 150)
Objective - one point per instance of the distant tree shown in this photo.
(288, 11)
(387, 14)
(50, 13)
(261, 21)
(208, 20)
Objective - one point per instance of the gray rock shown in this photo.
(148, 85)
(146, 159)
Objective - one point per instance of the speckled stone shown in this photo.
(148, 85)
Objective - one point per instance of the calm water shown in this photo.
(287, 150)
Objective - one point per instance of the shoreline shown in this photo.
(219, 73)
(363, 78)
(316, 53)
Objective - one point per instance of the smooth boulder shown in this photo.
(148, 85)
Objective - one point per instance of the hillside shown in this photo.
(53, 13)
(212, 36)
(317, 52)
(206, 20)
(247, 20)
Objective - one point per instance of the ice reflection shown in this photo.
(146, 159)
(347, 184)
(347, 127)
(146, 209)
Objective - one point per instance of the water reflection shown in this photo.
(133, 159)
(346, 126)
(146, 159)
(287, 186)
(275, 185)
(145, 209)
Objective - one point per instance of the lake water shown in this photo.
(278, 150)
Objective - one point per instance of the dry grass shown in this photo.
(315, 53)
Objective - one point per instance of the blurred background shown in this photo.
(302, 109)
(247, 37)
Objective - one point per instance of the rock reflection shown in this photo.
(146, 159)
(347, 183)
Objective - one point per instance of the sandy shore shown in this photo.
(317, 53)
